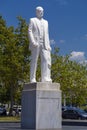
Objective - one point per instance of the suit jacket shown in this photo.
(34, 33)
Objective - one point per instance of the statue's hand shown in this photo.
(49, 49)
(35, 45)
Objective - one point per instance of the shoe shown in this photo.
(46, 80)
(33, 80)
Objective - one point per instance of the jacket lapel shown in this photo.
(37, 24)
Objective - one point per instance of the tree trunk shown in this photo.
(12, 101)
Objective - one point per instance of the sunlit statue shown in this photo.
(39, 45)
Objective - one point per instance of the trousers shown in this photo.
(45, 64)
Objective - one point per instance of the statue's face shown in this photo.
(39, 13)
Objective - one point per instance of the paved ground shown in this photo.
(16, 126)
(69, 122)
(74, 128)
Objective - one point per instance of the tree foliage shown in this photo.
(14, 56)
(72, 77)
(15, 64)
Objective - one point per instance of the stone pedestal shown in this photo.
(41, 106)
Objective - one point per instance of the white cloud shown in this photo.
(62, 2)
(84, 62)
(77, 56)
(84, 37)
(52, 41)
(61, 41)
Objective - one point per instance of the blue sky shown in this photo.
(67, 22)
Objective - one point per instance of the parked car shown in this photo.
(74, 113)
(16, 110)
(3, 111)
(65, 108)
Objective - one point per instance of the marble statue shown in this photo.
(39, 45)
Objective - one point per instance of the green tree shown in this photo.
(15, 58)
(4, 39)
(72, 77)
(15, 61)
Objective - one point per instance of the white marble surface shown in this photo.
(41, 107)
(40, 46)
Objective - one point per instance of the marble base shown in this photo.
(41, 106)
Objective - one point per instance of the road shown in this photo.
(16, 126)
(74, 128)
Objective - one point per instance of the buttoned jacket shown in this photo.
(34, 33)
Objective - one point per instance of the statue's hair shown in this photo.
(39, 8)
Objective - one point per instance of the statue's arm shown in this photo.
(49, 47)
(30, 32)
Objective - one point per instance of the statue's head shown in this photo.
(39, 12)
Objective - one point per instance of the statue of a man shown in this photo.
(39, 45)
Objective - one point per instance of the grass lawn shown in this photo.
(9, 118)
